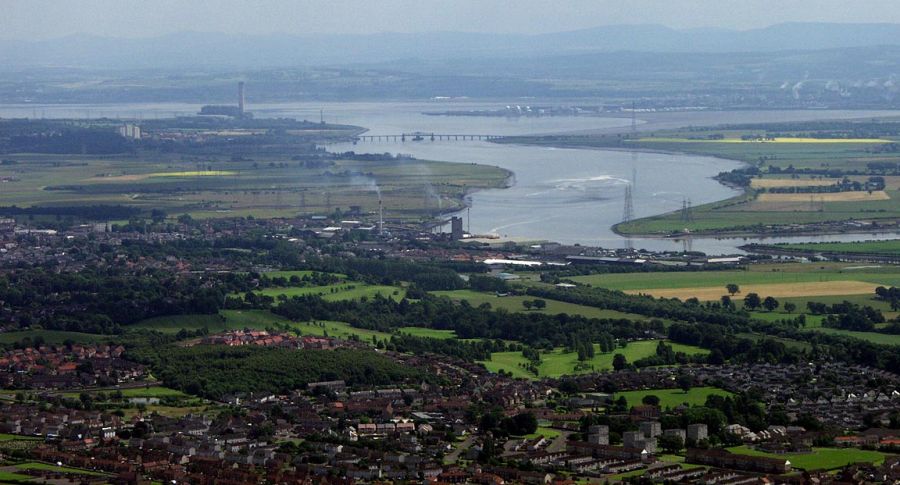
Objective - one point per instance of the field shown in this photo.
(759, 274)
(514, 304)
(781, 290)
(745, 214)
(873, 337)
(267, 186)
(820, 458)
(254, 319)
(339, 291)
(53, 336)
(769, 183)
(776, 140)
(428, 332)
(890, 248)
(857, 196)
(35, 465)
(558, 362)
(175, 323)
(670, 398)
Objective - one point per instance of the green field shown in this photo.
(17, 437)
(35, 465)
(820, 458)
(257, 320)
(428, 332)
(339, 292)
(558, 362)
(873, 337)
(266, 186)
(514, 304)
(175, 323)
(53, 336)
(889, 248)
(10, 477)
(670, 398)
(297, 273)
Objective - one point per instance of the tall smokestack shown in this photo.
(241, 97)
(380, 217)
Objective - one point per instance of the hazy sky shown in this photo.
(42, 19)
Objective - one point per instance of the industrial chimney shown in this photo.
(241, 98)
(380, 217)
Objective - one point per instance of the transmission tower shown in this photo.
(686, 215)
(628, 212)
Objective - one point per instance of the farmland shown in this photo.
(811, 289)
(762, 274)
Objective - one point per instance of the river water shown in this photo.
(564, 195)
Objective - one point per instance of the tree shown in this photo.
(671, 443)
(726, 302)
(619, 362)
(650, 400)
(685, 381)
(733, 288)
(770, 303)
(540, 304)
(527, 304)
(752, 301)
(790, 307)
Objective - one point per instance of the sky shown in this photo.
(48, 19)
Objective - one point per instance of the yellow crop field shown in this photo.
(778, 290)
(195, 173)
(758, 183)
(858, 196)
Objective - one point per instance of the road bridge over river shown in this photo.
(423, 136)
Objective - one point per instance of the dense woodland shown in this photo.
(216, 372)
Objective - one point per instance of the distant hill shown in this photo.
(254, 51)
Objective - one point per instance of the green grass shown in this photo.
(140, 392)
(55, 468)
(670, 398)
(890, 248)
(873, 337)
(428, 332)
(10, 477)
(54, 336)
(257, 320)
(558, 362)
(175, 323)
(17, 437)
(820, 458)
(298, 273)
(548, 433)
(514, 304)
(339, 330)
(339, 292)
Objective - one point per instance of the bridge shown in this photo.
(423, 136)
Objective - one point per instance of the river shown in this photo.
(565, 195)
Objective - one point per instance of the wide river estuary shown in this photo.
(564, 195)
